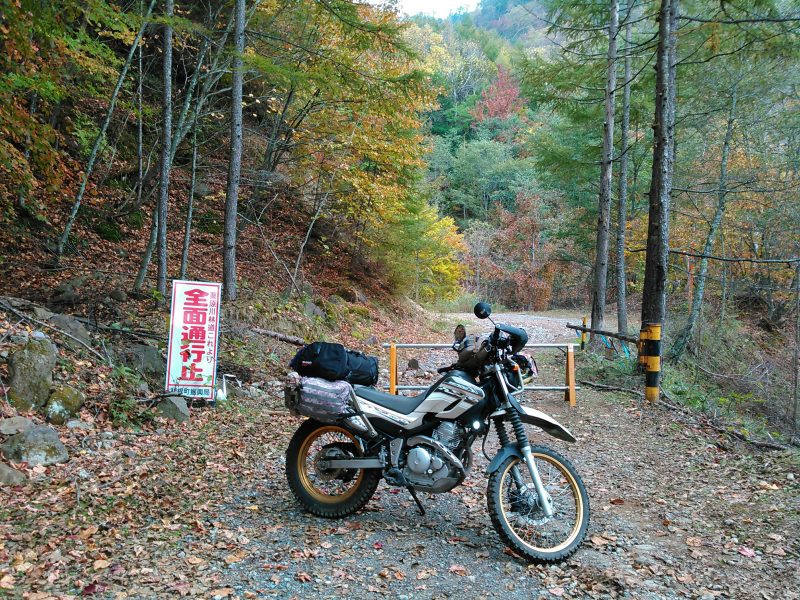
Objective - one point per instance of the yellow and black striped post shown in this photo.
(583, 335)
(650, 359)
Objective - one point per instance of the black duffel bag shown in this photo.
(335, 363)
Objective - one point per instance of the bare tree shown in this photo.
(187, 232)
(685, 335)
(622, 200)
(604, 201)
(98, 142)
(166, 138)
(657, 260)
(235, 163)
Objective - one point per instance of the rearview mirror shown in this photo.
(482, 310)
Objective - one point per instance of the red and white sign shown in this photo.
(193, 339)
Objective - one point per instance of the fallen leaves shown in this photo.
(459, 570)
(236, 557)
(603, 539)
(748, 552)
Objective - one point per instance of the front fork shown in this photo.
(544, 499)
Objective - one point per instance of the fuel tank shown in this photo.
(451, 396)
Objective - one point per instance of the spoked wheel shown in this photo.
(518, 518)
(327, 492)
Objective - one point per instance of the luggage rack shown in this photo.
(569, 388)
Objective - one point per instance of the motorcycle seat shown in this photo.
(403, 404)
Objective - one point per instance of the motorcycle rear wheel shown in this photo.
(331, 493)
(520, 522)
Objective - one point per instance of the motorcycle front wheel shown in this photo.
(521, 523)
(331, 493)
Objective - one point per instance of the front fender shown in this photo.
(542, 420)
(505, 452)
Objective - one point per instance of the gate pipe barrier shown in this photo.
(569, 388)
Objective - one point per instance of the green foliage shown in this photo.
(123, 408)
(108, 229)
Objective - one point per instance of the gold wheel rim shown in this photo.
(575, 495)
(302, 466)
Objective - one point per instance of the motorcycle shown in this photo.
(536, 499)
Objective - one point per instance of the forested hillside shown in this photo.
(353, 173)
(534, 154)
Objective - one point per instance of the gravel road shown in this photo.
(674, 515)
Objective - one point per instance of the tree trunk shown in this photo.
(685, 335)
(657, 260)
(796, 374)
(604, 201)
(62, 241)
(139, 128)
(622, 206)
(235, 163)
(166, 139)
(148, 253)
(180, 125)
(187, 233)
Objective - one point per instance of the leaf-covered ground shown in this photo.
(203, 510)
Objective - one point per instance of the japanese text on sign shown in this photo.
(194, 333)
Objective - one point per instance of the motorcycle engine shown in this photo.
(427, 468)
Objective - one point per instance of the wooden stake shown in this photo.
(569, 394)
(393, 369)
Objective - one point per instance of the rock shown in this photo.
(303, 289)
(9, 476)
(130, 453)
(37, 446)
(66, 294)
(118, 294)
(146, 359)
(41, 313)
(312, 310)
(371, 341)
(78, 425)
(413, 364)
(20, 338)
(353, 295)
(73, 327)
(201, 188)
(15, 425)
(30, 371)
(174, 407)
(65, 402)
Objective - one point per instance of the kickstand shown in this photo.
(416, 499)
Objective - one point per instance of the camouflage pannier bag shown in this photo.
(323, 400)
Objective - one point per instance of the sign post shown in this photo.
(193, 339)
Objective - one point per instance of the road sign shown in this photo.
(193, 338)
